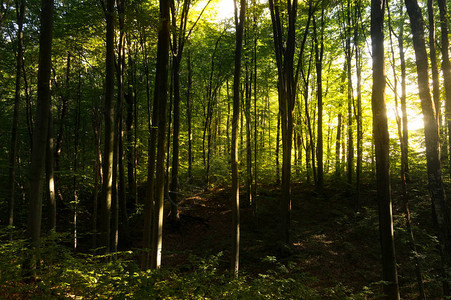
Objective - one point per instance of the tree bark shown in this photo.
(160, 98)
(20, 12)
(319, 51)
(284, 51)
(446, 67)
(40, 132)
(239, 24)
(107, 185)
(381, 140)
(436, 188)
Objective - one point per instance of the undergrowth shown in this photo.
(63, 274)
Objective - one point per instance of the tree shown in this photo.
(20, 9)
(160, 100)
(436, 188)
(319, 54)
(284, 52)
(239, 24)
(446, 66)
(107, 185)
(40, 132)
(381, 141)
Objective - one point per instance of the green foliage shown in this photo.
(117, 276)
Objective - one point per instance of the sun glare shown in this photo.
(217, 10)
(225, 9)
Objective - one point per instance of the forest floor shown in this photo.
(334, 251)
(332, 243)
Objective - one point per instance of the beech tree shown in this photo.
(107, 185)
(160, 99)
(381, 140)
(239, 24)
(40, 132)
(436, 188)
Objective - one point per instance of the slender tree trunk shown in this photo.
(40, 132)
(64, 109)
(174, 187)
(350, 153)
(319, 50)
(20, 12)
(436, 188)
(161, 89)
(75, 161)
(97, 127)
(359, 117)
(254, 192)
(446, 67)
(338, 144)
(405, 130)
(433, 58)
(277, 150)
(50, 177)
(239, 24)
(188, 118)
(130, 148)
(107, 185)
(247, 114)
(381, 139)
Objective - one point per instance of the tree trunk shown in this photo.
(381, 140)
(160, 96)
(446, 67)
(247, 114)
(433, 57)
(319, 50)
(277, 150)
(75, 160)
(40, 132)
(64, 109)
(130, 148)
(359, 117)
(50, 178)
(97, 128)
(405, 130)
(239, 24)
(350, 153)
(436, 188)
(107, 185)
(338, 144)
(287, 83)
(20, 8)
(188, 119)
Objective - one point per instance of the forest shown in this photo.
(225, 149)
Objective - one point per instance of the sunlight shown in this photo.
(218, 10)
(225, 9)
